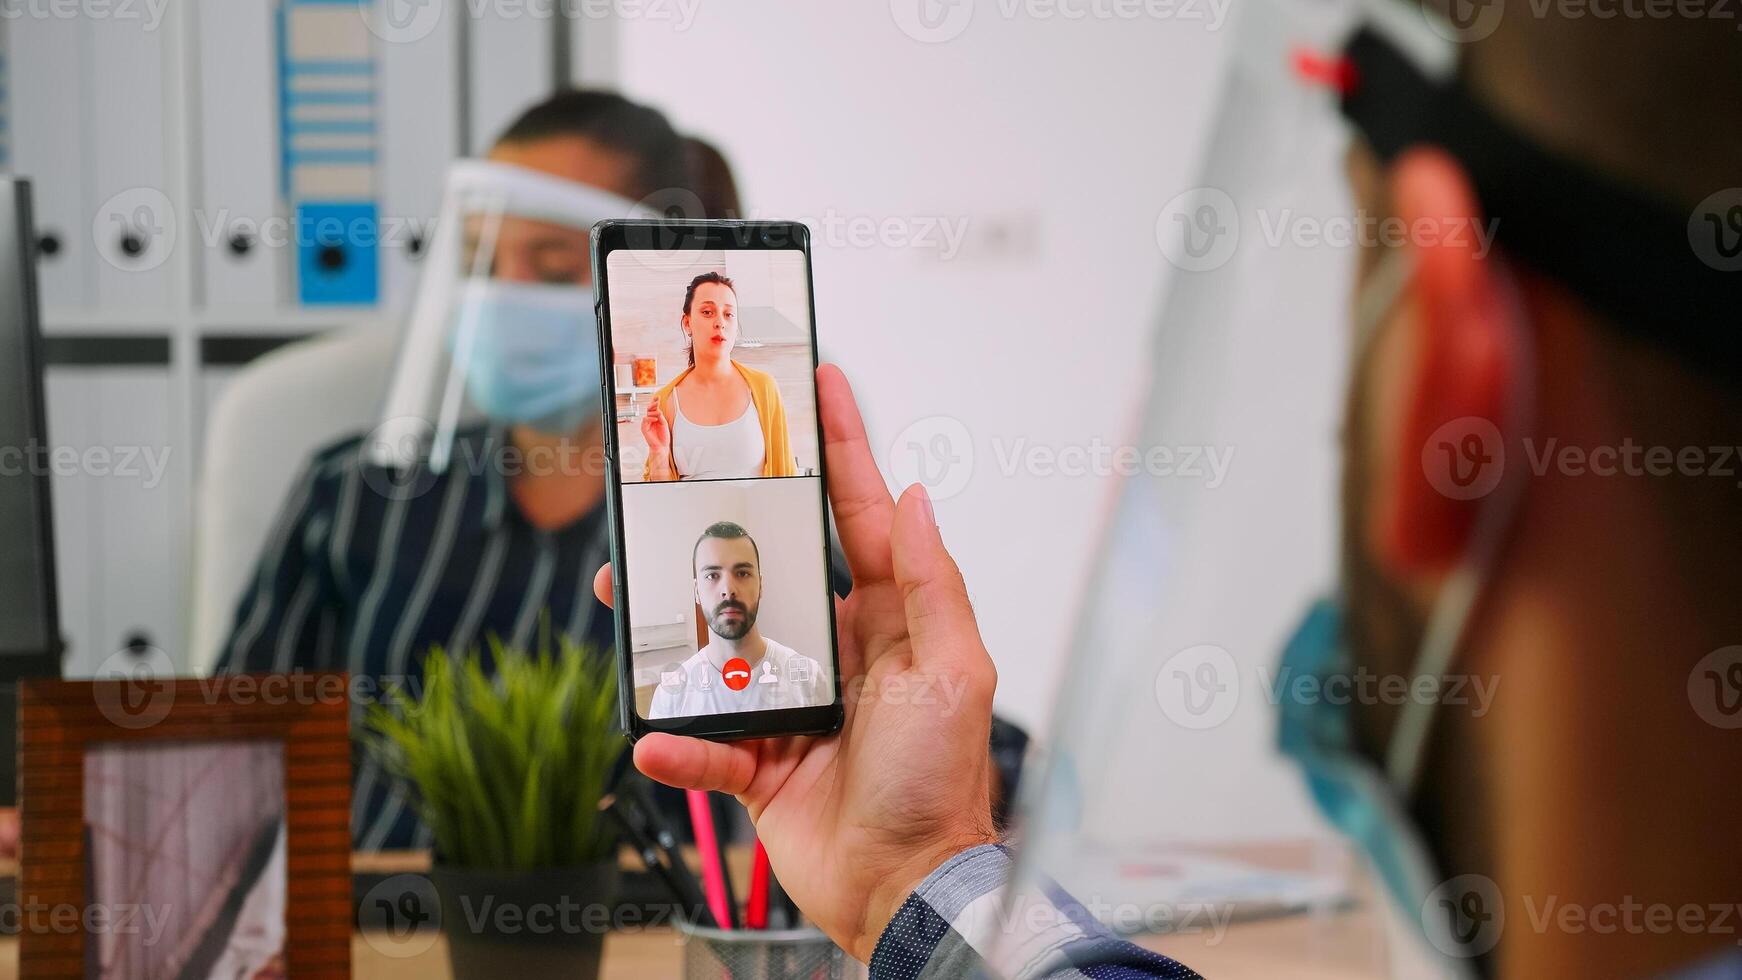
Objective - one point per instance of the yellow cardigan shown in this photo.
(765, 395)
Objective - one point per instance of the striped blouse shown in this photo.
(368, 568)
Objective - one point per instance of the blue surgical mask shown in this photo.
(1318, 734)
(530, 353)
(1369, 803)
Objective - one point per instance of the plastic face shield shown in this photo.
(1159, 800)
(502, 327)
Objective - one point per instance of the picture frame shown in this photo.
(147, 809)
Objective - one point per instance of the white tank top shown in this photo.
(729, 451)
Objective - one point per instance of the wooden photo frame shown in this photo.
(178, 834)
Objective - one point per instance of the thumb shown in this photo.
(690, 763)
(940, 620)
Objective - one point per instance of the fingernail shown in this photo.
(925, 501)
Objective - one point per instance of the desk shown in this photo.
(1346, 945)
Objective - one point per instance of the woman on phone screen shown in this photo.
(717, 420)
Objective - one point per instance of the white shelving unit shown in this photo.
(151, 146)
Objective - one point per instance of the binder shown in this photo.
(132, 196)
(328, 137)
(120, 536)
(244, 241)
(46, 85)
(420, 136)
(5, 120)
(510, 68)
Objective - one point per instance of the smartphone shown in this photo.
(715, 482)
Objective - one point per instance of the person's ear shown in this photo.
(1443, 383)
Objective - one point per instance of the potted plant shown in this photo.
(506, 768)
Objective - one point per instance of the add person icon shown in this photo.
(767, 674)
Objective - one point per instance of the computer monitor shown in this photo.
(30, 644)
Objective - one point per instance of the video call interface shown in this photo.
(726, 579)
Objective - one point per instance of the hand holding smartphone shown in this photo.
(715, 480)
(852, 824)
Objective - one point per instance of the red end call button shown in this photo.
(736, 673)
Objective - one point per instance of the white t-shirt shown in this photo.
(729, 451)
(782, 678)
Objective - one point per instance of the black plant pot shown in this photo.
(546, 923)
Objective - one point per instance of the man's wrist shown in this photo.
(893, 889)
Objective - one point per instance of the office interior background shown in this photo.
(984, 195)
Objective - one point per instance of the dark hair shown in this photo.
(689, 296)
(714, 185)
(661, 158)
(728, 531)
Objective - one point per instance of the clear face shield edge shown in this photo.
(1162, 804)
(502, 329)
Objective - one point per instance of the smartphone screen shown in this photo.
(720, 549)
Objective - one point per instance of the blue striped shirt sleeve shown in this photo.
(963, 921)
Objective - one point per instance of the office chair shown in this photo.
(260, 433)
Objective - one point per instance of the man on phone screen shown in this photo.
(739, 669)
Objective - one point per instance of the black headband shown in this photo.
(1628, 255)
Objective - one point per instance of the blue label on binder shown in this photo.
(328, 140)
(336, 259)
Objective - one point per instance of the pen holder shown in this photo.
(759, 954)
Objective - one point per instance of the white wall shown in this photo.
(1047, 147)
(1050, 149)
